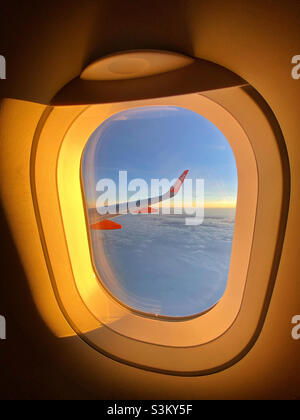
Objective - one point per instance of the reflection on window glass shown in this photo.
(160, 188)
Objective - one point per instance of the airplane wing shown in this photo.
(100, 220)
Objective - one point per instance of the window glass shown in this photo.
(167, 256)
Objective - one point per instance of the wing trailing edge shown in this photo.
(106, 225)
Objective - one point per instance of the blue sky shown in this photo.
(161, 142)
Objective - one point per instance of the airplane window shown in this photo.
(160, 189)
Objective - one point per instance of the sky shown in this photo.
(161, 142)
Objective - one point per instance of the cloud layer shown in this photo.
(160, 265)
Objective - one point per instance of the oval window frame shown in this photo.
(224, 350)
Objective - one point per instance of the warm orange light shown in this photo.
(107, 310)
(53, 241)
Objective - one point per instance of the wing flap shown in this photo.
(106, 225)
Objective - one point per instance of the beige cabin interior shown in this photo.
(239, 75)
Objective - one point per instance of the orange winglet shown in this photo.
(146, 210)
(176, 187)
(106, 225)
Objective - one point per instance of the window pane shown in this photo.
(158, 262)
